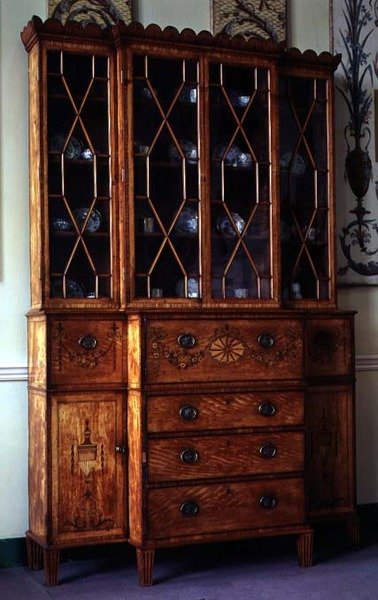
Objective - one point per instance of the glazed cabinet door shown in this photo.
(202, 179)
(79, 162)
(307, 269)
(166, 159)
(241, 185)
(88, 467)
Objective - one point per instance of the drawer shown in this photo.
(214, 351)
(225, 456)
(329, 347)
(87, 351)
(224, 411)
(192, 510)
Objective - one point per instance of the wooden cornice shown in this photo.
(52, 28)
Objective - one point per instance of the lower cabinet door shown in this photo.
(190, 510)
(330, 450)
(88, 474)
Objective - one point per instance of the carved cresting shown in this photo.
(86, 351)
(226, 346)
(89, 458)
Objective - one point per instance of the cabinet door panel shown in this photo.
(232, 350)
(167, 177)
(304, 172)
(79, 175)
(330, 429)
(240, 180)
(88, 475)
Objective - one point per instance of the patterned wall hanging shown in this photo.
(355, 31)
(251, 18)
(102, 12)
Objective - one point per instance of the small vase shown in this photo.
(358, 169)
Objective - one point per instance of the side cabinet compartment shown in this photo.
(330, 453)
(88, 486)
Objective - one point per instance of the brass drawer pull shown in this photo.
(188, 412)
(268, 501)
(189, 508)
(268, 451)
(186, 340)
(266, 340)
(267, 409)
(189, 456)
(88, 342)
(121, 449)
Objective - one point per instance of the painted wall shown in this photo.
(308, 27)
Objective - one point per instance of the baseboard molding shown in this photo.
(13, 551)
(367, 362)
(13, 373)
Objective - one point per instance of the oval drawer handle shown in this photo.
(268, 501)
(188, 412)
(267, 409)
(186, 340)
(189, 456)
(88, 342)
(266, 340)
(189, 508)
(268, 451)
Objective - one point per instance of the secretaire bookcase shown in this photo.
(191, 378)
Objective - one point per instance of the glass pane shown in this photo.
(240, 182)
(304, 188)
(166, 167)
(79, 175)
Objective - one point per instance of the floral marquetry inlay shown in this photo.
(226, 345)
(71, 347)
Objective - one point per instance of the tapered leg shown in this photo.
(51, 565)
(305, 543)
(34, 554)
(353, 529)
(145, 564)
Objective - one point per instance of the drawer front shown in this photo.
(87, 351)
(329, 347)
(224, 411)
(225, 456)
(192, 510)
(214, 351)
